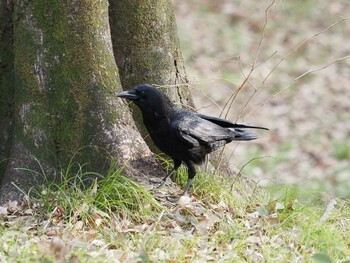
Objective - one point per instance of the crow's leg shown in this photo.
(191, 174)
(177, 164)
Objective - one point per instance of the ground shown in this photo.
(309, 120)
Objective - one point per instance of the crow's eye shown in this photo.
(142, 93)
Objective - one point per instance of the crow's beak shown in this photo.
(129, 94)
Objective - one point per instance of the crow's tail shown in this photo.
(228, 124)
(237, 125)
(243, 135)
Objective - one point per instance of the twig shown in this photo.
(268, 58)
(296, 79)
(263, 31)
(240, 171)
(292, 52)
(316, 35)
(208, 97)
(253, 159)
(253, 67)
(302, 44)
(323, 67)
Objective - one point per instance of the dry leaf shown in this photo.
(206, 223)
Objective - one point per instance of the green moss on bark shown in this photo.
(65, 74)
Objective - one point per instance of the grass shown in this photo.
(228, 219)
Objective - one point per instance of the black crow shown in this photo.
(183, 135)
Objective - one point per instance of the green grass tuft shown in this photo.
(80, 194)
(119, 194)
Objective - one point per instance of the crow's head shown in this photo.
(146, 97)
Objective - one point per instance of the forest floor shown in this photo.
(299, 88)
(226, 219)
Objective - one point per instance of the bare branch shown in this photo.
(299, 46)
(246, 80)
(323, 67)
(305, 73)
(316, 35)
(263, 31)
(296, 79)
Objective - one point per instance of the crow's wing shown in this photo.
(227, 124)
(197, 131)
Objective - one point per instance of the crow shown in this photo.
(183, 135)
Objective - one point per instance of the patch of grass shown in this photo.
(289, 234)
(84, 195)
(118, 193)
(228, 219)
(341, 150)
(277, 224)
(236, 192)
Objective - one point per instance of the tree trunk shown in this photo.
(58, 82)
(147, 50)
(6, 84)
(65, 104)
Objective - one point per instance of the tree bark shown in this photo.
(65, 105)
(59, 77)
(6, 84)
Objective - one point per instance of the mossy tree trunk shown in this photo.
(62, 78)
(6, 84)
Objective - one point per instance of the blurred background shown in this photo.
(298, 85)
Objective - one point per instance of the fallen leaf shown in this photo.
(206, 223)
